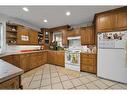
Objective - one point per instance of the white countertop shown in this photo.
(8, 71)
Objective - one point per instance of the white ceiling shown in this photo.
(54, 14)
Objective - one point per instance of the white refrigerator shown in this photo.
(112, 56)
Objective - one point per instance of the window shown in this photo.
(57, 36)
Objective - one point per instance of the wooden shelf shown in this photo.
(11, 37)
(11, 31)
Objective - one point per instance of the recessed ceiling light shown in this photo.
(68, 13)
(45, 20)
(25, 9)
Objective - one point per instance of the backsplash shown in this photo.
(17, 48)
(89, 48)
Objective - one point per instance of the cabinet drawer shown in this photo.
(88, 55)
(87, 68)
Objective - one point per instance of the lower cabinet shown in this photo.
(56, 58)
(13, 83)
(25, 62)
(33, 60)
(38, 59)
(51, 57)
(59, 59)
(8, 58)
(88, 62)
(29, 61)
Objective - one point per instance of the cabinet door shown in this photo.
(64, 38)
(40, 59)
(59, 58)
(73, 33)
(25, 62)
(51, 57)
(23, 36)
(8, 59)
(33, 60)
(16, 60)
(33, 37)
(87, 35)
(105, 22)
(13, 83)
(121, 20)
(44, 57)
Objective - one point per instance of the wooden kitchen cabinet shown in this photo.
(112, 20)
(44, 57)
(13, 83)
(33, 37)
(64, 38)
(51, 57)
(73, 33)
(87, 35)
(25, 62)
(56, 58)
(16, 60)
(33, 60)
(120, 20)
(104, 22)
(88, 62)
(59, 58)
(23, 35)
(8, 58)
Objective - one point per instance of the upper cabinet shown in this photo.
(87, 35)
(104, 22)
(112, 20)
(33, 37)
(11, 34)
(23, 36)
(120, 20)
(64, 38)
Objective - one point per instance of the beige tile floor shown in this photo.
(51, 77)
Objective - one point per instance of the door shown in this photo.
(112, 64)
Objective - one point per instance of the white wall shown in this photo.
(14, 48)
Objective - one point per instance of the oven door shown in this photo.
(72, 60)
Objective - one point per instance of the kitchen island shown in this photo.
(10, 76)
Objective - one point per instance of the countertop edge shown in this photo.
(6, 73)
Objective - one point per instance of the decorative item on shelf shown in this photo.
(11, 33)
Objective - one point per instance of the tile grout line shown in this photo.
(107, 85)
(60, 79)
(50, 76)
(31, 79)
(41, 77)
(83, 84)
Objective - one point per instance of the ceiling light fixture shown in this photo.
(25, 9)
(45, 21)
(68, 13)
